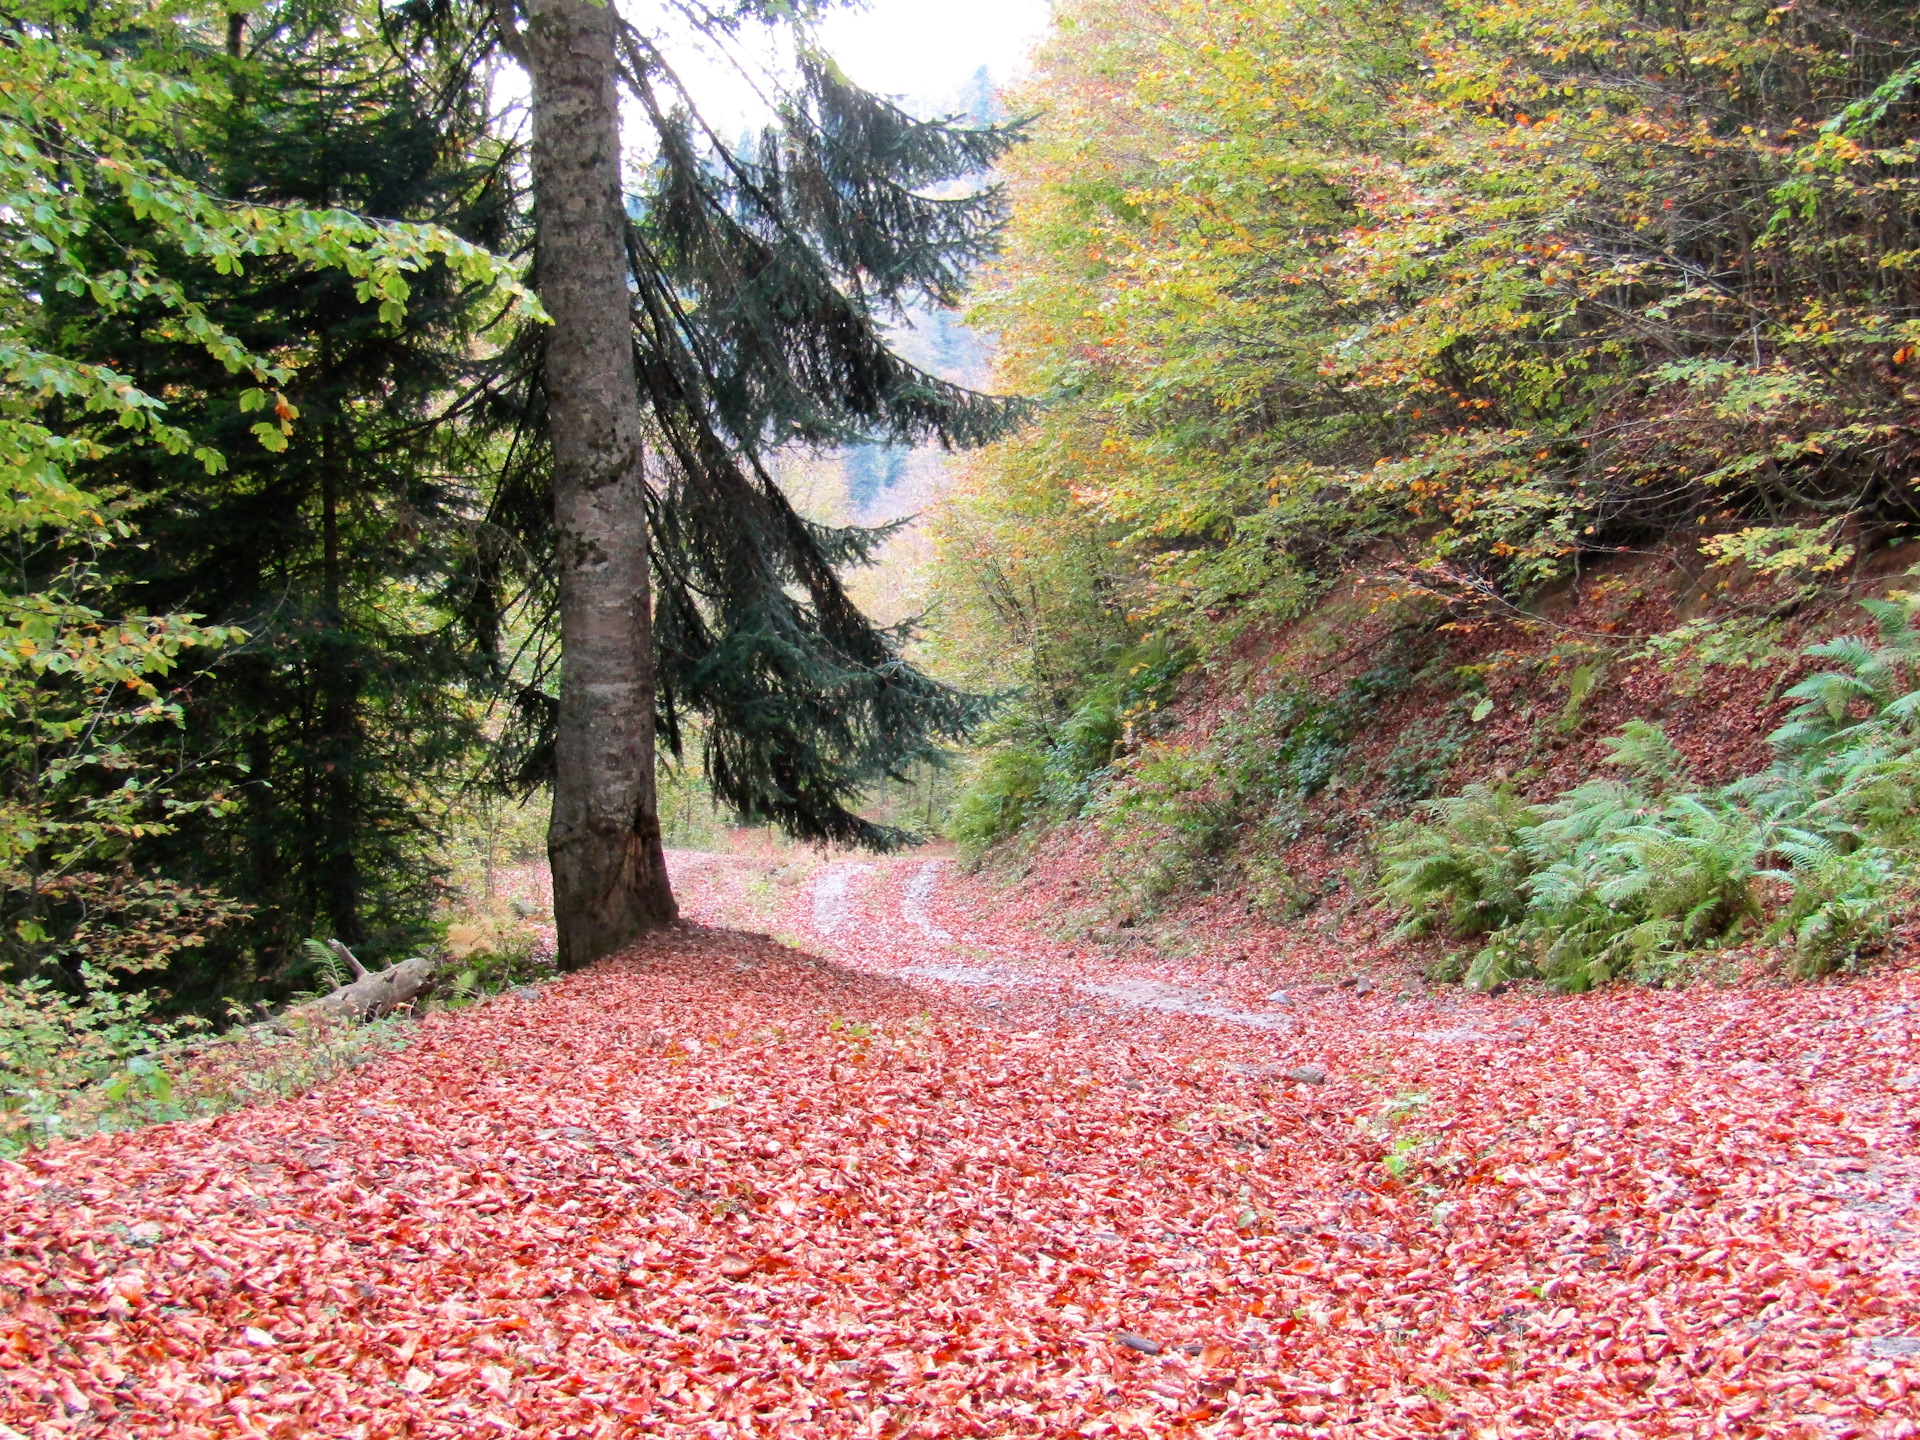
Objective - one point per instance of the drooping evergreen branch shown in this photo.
(763, 280)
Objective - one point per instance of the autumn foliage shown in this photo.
(1366, 330)
(1504, 285)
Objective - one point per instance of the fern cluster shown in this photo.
(1627, 875)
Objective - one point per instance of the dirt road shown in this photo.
(937, 1178)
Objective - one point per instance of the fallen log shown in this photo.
(373, 994)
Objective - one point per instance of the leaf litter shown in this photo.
(724, 1187)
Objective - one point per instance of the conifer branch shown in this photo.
(508, 26)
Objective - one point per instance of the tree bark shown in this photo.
(339, 758)
(609, 871)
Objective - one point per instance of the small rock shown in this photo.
(526, 992)
(1278, 997)
(1308, 1075)
(1137, 1342)
(1894, 1347)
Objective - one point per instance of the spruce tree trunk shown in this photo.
(609, 872)
(339, 703)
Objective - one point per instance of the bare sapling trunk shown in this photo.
(609, 871)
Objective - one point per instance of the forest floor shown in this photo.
(932, 1174)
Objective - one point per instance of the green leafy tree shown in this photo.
(348, 714)
(1500, 288)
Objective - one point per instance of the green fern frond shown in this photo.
(1832, 693)
(1905, 710)
(1890, 617)
(1644, 752)
(1463, 865)
(1855, 652)
(325, 962)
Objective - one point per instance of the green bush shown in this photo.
(1057, 772)
(1464, 868)
(1171, 821)
(1425, 752)
(1612, 899)
(1612, 879)
(57, 1047)
(1004, 796)
(1842, 902)
(1288, 742)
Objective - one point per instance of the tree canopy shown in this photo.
(765, 276)
(1494, 288)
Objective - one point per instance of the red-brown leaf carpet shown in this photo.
(957, 1180)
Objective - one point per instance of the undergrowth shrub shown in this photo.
(1041, 773)
(1611, 898)
(1425, 752)
(1629, 877)
(1170, 821)
(1004, 796)
(79, 1048)
(490, 954)
(1183, 819)
(1289, 741)
(1842, 901)
(74, 1065)
(98, 1051)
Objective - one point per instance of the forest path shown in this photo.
(939, 1178)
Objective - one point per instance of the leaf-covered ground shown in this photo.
(955, 1180)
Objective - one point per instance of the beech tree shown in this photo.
(723, 302)
(609, 873)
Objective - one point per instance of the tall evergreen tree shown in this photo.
(333, 550)
(752, 290)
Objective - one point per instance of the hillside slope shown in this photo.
(1247, 815)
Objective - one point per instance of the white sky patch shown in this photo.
(922, 51)
(926, 50)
